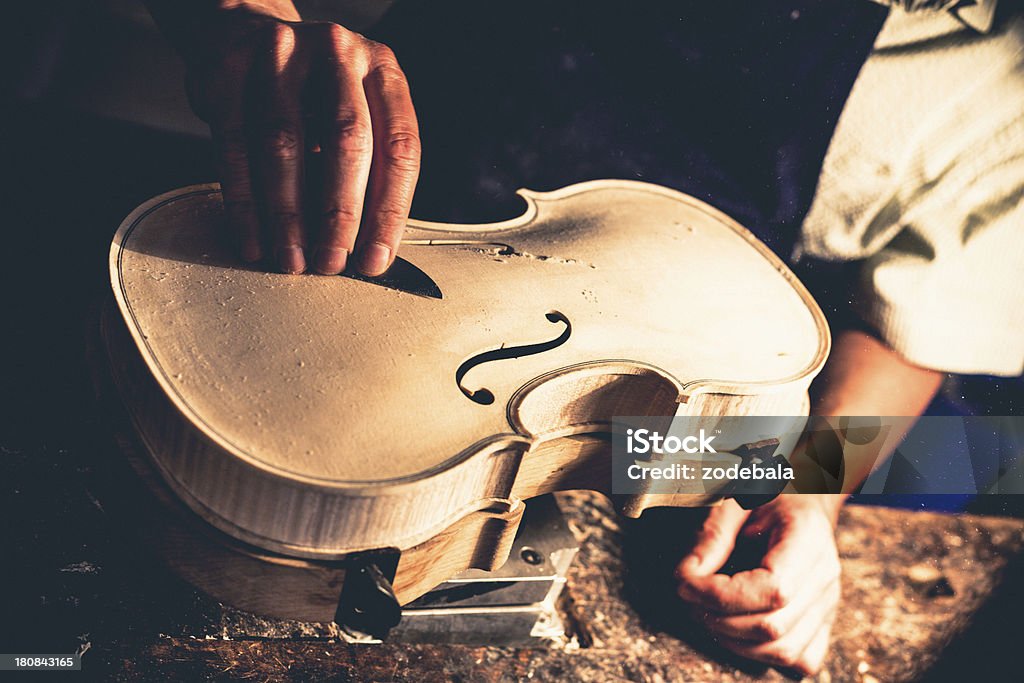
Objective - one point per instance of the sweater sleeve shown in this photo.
(947, 292)
(922, 192)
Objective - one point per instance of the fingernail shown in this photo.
(331, 260)
(291, 259)
(374, 259)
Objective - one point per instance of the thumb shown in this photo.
(715, 541)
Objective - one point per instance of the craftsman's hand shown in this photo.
(275, 92)
(780, 613)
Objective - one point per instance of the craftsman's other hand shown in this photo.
(780, 612)
(276, 92)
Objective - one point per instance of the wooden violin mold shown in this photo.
(319, 416)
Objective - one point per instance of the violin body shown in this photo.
(316, 417)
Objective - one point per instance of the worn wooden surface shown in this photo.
(912, 582)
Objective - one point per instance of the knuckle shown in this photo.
(278, 45)
(338, 39)
(351, 132)
(274, 38)
(389, 220)
(769, 629)
(779, 595)
(402, 149)
(282, 141)
(341, 216)
(336, 33)
(718, 598)
(278, 32)
(354, 53)
(386, 71)
(384, 55)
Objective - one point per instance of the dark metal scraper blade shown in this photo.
(403, 276)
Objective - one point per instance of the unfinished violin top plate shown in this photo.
(321, 415)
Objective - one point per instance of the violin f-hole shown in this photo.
(485, 397)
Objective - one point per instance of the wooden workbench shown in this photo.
(913, 582)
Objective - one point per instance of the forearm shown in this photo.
(864, 377)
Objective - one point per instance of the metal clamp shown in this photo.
(367, 605)
(751, 494)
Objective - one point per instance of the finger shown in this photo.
(762, 589)
(715, 541)
(768, 626)
(395, 167)
(347, 146)
(761, 521)
(280, 150)
(803, 648)
(756, 592)
(226, 116)
(236, 186)
(813, 657)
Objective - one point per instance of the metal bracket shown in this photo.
(367, 605)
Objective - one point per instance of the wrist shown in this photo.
(831, 504)
(828, 504)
